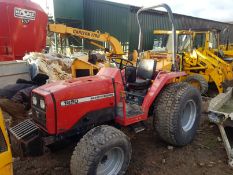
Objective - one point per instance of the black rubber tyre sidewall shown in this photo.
(182, 136)
(169, 106)
(89, 151)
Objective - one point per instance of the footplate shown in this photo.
(26, 139)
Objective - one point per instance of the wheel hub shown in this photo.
(189, 115)
(111, 162)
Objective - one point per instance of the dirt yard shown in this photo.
(151, 156)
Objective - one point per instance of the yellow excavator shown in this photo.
(202, 66)
(6, 163)
(82, 67)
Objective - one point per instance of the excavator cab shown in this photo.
(6, 167)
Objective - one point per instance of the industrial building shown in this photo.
(120, 20)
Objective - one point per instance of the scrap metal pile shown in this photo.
(56, 66)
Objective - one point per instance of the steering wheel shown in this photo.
(121, 62)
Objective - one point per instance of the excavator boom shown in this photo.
(85, 34)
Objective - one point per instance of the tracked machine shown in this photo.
(95, 107)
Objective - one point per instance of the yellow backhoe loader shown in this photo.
(201, 65)
(6, 164)
(82, 67)
(208, 40)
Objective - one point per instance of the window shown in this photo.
(199, 40)
(184, 43)
(160, 42)
(213, 40)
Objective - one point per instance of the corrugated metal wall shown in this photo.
(72, 9)
(107, 17)
(153, 20)
(120, 21)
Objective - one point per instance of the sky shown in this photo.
(219, 10)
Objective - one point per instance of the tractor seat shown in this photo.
(140, 78)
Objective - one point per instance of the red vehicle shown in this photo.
(95, 106)
(23, 29)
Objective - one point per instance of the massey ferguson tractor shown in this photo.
(95, 107)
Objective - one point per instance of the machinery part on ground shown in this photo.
(199, 82)
(221, 113)
(25, 139)
(177, 113)
(6, 162)
(103, 150)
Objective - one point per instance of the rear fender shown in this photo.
(159, 82)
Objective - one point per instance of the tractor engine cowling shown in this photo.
(71, 104)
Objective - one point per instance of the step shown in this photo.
(131, 110)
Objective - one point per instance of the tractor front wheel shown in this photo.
(104, 150)
(177, 113)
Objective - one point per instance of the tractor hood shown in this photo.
(101, 83)
(72, 88)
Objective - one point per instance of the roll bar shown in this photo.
(170, 15)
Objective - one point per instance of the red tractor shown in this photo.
(95, 106)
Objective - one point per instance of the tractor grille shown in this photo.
(3, 145)
(23, 129)
(39, 116)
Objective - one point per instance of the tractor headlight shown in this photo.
(34, 100)
(42, 104)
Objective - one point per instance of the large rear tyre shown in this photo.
(104, 150)
(199, 82)
(177, 113)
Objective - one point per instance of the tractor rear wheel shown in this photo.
(198, 82)
(177, 113)
(104, 150)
